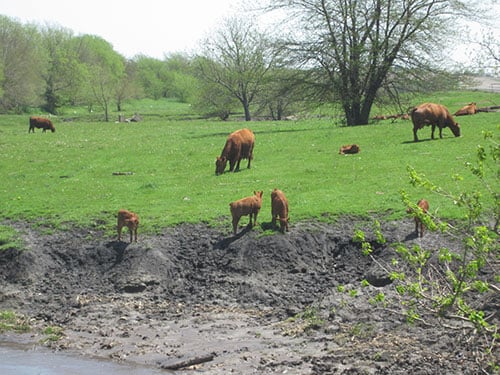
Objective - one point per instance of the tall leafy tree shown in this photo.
(351, 46)
(22, 62)
(237, 59)
(104, 69)
(64, 76)
(153, 76)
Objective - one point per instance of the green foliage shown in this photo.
(52, 334)
(303, 322)
(447, 288)
(9, 238)
(10, 321)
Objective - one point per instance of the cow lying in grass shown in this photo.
(349, 149)
(246, 206)
(279, 209)
(469, 109)
(130, 220)
(41, 123)
(424, 207)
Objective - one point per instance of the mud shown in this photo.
(258, 302)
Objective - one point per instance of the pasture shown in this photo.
(164, 169)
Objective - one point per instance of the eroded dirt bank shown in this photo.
(252, 303)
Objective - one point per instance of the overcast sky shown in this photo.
(158, 27)
(149, 27)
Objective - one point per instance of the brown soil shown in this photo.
(252, 303)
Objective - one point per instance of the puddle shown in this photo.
(23, 359)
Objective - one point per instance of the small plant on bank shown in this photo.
(451, 285)
(12, 322)
(52, 334)
(9, 238)
(303, 322)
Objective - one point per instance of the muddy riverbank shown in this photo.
(251, 303)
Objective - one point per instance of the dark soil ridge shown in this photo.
(193, 291)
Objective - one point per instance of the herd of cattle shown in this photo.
(240, 144)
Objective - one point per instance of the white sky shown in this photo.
(158, 27)
(150, 27)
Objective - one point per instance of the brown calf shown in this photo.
(246, 206)
(130, 220)
(41, 123)
(469, 109)
(349, 149)
(279, 208)
(424, 206)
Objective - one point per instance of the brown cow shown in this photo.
(279, 208)
(469, 109)
(424, 207)
(40, 122)
(349, 149)
(246, 206)
(239, 145)
(434, 115)
(129, 220)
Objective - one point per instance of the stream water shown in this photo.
(24, 359)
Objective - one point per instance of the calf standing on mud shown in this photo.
(246, 206)
(279, 208)
(424, 206)
(130, 220)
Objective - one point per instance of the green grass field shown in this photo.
(67, 177)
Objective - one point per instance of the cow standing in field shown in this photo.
(349, 149)
(130, 220)
(239, 145)
(246, 206)
(424, 207)
(469, 109)
(41, 123)
(279, 209)
(434, 115)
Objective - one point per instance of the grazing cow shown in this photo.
(469, 109)
(434, 115)
(40, 122)
(349, 149)
(239, 145)
(279, 208)
(246, 206)
(129, 220)
(424, 207)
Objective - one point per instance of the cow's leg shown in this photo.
(432, 133)
(238, 164)
(440, 132)
(135, 234)
(131, 232)
(415, 138)
(119, 229)
(231, 165)
(274, 221)
(236, 219)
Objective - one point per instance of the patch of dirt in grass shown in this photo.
(258, 302)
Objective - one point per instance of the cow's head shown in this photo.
(220, 165)
(455, 129)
